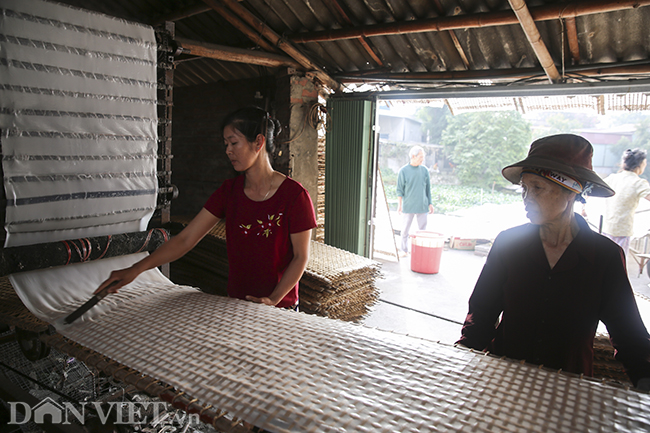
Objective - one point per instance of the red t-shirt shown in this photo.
(258, 235)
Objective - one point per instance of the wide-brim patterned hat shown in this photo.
(568, 154)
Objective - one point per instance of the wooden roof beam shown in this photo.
(452, 35)
(180, 14)
(230, 54)
(337, 10)
(265, 31)
(237, 23)
(495, 74)
(532, 34)
(470, 21)
(572, 37)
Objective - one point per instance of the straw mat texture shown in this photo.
(605, 365)
(336, 283)
(286, 371)
(13, 312)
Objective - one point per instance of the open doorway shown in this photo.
(466, 146)
(464, 152)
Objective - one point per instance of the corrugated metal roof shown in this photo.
(407, 44)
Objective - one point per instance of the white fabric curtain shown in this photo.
(78, 120)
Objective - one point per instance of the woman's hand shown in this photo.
(300, 244)
(263, 300)
(168, 252)
(122, 278)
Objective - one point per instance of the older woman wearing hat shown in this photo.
(547, 284)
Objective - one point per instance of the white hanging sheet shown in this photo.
(79, 122)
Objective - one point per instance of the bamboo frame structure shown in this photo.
(470, 21)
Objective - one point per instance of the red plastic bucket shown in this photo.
(426, 250)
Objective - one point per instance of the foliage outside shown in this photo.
(476, 146)
(562, 122)
(434, 121)
(480, 144)
(450, 198)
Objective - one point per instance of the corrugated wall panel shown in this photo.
(347, 173)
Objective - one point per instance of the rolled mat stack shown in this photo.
(336, 283)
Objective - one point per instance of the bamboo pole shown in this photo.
(229, 54)
(494, 74)
(452, 35)
(341, 16)
(471, 21)
(572, 36)
(265, 31)
(237, 23)
(532, 34)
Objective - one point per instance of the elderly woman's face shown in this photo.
(545, 201)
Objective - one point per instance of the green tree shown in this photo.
(434, 121)
(563, 122)
(480, 144)
(626, 117)
(641, 137)
(560, 122)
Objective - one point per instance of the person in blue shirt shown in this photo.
(413, 194)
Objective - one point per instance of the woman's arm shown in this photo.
(620, 314)
(486, 302)
(300, 242)
(176, 248)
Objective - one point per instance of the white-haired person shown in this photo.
(546, 285)
(413, 194)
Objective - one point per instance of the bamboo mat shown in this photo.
(13, 312)
(293, 372)
(336, 283)
(287, 371)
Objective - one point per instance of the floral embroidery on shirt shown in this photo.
(265, 228)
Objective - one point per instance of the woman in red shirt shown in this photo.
(269, 218)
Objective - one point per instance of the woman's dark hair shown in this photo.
(633, 158)
(252, 121)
